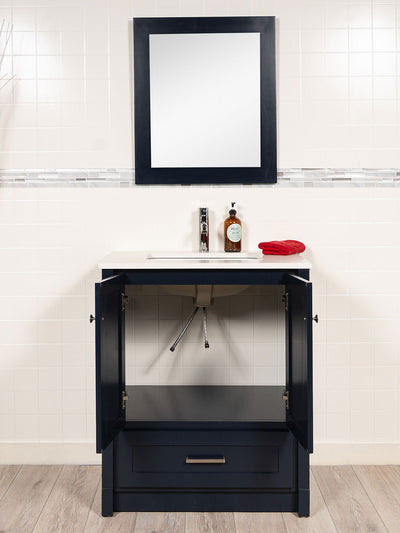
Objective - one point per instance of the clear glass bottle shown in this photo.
(233, 231)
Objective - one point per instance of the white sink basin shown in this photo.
(208, 256)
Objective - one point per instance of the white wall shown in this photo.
(71, 102)
(52, 239)
(71, 106)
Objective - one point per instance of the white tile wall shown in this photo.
(46, 296)
(70, 104)
(246, 344)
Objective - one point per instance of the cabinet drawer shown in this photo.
(218, 459)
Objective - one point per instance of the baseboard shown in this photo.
(325, 453)
(47, 453)
(355, 453)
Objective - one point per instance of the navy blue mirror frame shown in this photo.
(144, 173)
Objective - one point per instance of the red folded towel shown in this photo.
(282, 247)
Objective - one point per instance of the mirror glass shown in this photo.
(205, 100)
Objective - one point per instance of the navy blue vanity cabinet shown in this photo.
(204, 448)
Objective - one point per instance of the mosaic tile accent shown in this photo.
(115, 177)
(71, 177)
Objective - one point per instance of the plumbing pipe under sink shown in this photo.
(203, 296)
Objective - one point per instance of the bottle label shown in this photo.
(234, 232)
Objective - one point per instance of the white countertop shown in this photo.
(132, 260)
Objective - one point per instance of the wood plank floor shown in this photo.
(344, 499)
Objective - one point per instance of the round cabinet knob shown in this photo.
(316, 318)
(92, 318)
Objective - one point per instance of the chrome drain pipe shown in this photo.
(181, 334)
(206, 344)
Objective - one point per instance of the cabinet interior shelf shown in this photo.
(189, 405)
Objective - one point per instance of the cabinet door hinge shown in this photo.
(125, 398)
(285, 397)
(285, 300)
(124, 302)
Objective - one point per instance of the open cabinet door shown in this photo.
(109, 359)
(299, 414)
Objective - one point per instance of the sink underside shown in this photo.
(204, 294)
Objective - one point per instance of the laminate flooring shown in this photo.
(66, 499)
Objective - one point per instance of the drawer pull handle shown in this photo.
(205, 460)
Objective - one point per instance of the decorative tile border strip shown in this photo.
(115, 177)
(71, 177)
(339, 177)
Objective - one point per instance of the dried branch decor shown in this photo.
(5, 36)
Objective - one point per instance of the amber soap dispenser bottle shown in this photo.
(233, 231)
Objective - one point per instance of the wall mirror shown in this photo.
(205, 100)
